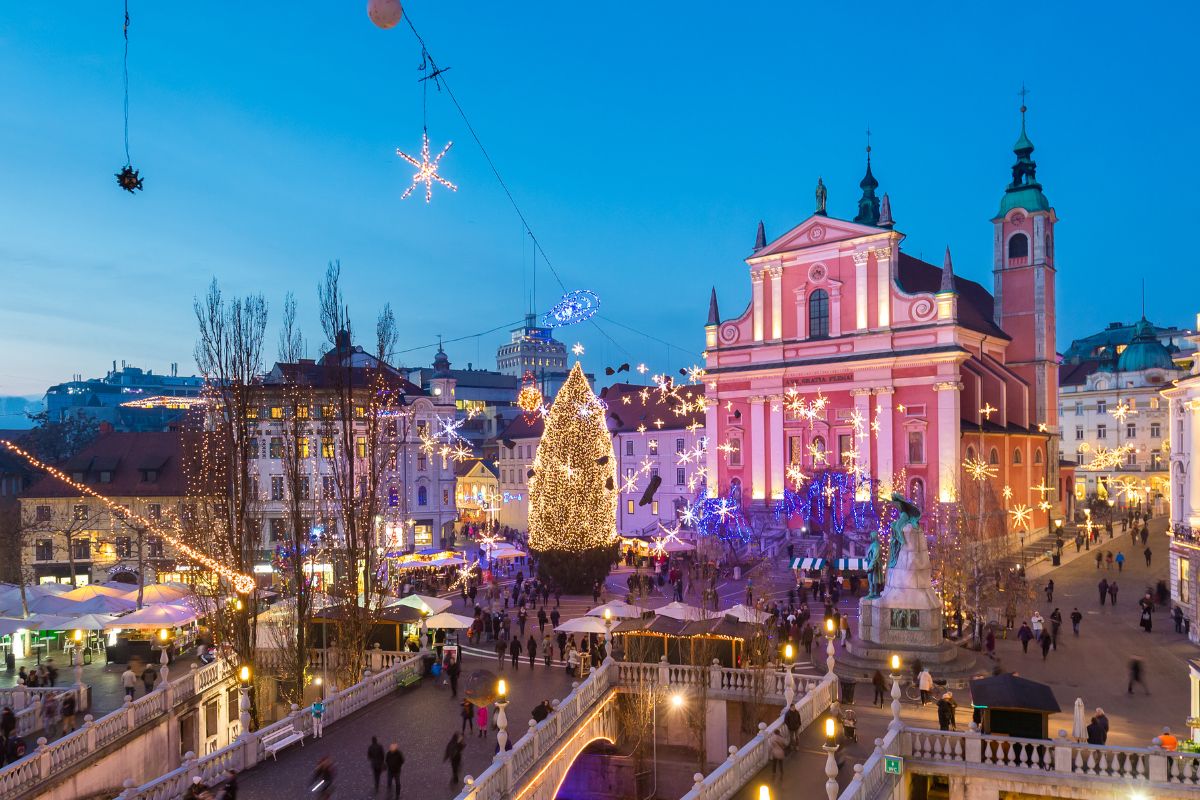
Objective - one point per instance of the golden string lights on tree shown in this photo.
(241, 583)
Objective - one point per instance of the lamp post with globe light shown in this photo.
(501, 717)
(244, 699)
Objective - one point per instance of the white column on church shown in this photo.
(883, 413)
(862, 404)
(776, 273)
(756, 287)
(758, 449)
(777, 466)
(1193, 431)
(860, 291)
(711, 454)
(948, 438)
(883, 265)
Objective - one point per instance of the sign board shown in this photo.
(893, 765)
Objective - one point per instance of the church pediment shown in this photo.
(817, 231)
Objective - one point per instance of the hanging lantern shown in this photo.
(385, 13)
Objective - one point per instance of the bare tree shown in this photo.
(229, 354)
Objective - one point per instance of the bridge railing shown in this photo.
(50, 758)
(743, 684)
(871, 781)
(248, 749)
(742, 765)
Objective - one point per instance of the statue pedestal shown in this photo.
(905, 620)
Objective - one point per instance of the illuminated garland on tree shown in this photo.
(572, 493)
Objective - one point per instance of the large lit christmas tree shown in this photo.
(572, 494)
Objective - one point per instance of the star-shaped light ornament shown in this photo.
(577, 349)
(129, 179)
(427, 171)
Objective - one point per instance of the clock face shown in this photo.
(817, 272)
(1017, 219)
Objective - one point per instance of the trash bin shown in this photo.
(848, 691)
(10, 662)
(737, 573)
(1056, 559)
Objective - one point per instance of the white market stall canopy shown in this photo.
(448, 620)
(90, 592)
(501, 551)
(89, 622)
(157, 593)
(161, 615)
(10, 626)
(683, 611)
(101, 604)
(423, 603)
(619, 609)
(583, 625)
(745, 613)
(852, 564)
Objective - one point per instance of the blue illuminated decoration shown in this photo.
(576, 306)
(829, 495)
(720, 516)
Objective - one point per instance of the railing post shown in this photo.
(128, 713)
(43, 754)
(189, 767)
(89, 727)
(1062, 753)
(1157, 767)
(973, 752)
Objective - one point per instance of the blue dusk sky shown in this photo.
(643, 142)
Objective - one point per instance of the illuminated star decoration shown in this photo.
(129, 179)
(1122, 411)
(979, 469)
(987, 411)
(577, 349)
(1021, 515)
(427, 171)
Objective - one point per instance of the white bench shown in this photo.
(274, 742)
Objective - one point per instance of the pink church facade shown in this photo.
(920, 368)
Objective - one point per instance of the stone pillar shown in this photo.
(758, 466)
(776, 273)
(862, 404)
(883, 286)
(756, 287)
(883, 413)
(860, 291)
(1192, 430)
(716, 732)
(948, 438)
(776, 433)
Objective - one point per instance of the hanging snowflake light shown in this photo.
(427, 170)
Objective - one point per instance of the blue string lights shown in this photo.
(576, 306)
(836, 495)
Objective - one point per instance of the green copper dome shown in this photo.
(1145, 351)
(1029, 198)
(1024, 191)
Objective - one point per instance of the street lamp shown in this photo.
(608, 629)
(501, 718)
(244, 699)
(830, 632)
(789, 690)
(830, 748)
(1111, 503)
(764, 792)
(895, 666)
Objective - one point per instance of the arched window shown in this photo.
(970, 454)
(1037, 456)
(916, 447)
(1017, 455)
(994, 456)
(422, 496)
(735, 490)
(818, 443)
(818, 314)
(1018, 246)
(917, 492)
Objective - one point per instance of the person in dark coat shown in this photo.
(375, 757)
(541, 711)
(1025, 635)
(531, 649)
(454, 751)
(8, 722)
(945, 712)
(1103, 587)
(1095, 732)
(393, 760)
(1102, 720)
(880, 688)
(1045, 641)
(514, 650)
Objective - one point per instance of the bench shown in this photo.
(276, 741)
(410, 679)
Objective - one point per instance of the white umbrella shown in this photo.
(156, 593)
(91, 591)
(161, 615)
(1078, 728)
(747, 614)
(618, 609)
(423, 603)
(9, 626)
(677, 610)
(103, 604)
(89, 622)
(48, 622)
(447, 620)
(448, 561)
(53, 604)
(583, 625)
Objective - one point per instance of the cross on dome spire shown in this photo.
(868, 204)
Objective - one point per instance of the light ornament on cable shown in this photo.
(530, 398)
(578, 305)
(427, 171)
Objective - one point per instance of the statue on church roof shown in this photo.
(821, 197)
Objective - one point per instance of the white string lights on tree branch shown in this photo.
(241, 583)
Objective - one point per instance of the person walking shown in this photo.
(1177, 616)
(1147, 554)
(1120, 559)
(148, 677)
(925, 685)
(1038, 622)
(989, 644)
(554, 617)
(880, 688)
(1112, 593)
(1050, 591)
(542, 619)
(128, 681)
(1076, 618)
(547, 648)
(453, 754)
(1055, 627)
(514, 651)
(1025, 636)
(50, 715)
(778, 748)
(322, 779)
(481, 720)
(1136, 676)
(500, 648)
(393, 759)
(791, 721)
(1103, 587)
(1045, 641)
(375, 759)
(468, 716)
(945, 712)
(452, 672)
(68, 712)
(318, 717)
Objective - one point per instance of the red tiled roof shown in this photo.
(1076, 374)
(976, 306)
(321, 376)
(129, 457)
(523, 428)
(648, 404)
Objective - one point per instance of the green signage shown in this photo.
(893, 765)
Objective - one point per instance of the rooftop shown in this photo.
(143, 464)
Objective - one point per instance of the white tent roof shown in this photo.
(619, 610)
(90, 591)
(677, 610)
(88, 622)
(9, 625)
(583, 625)
(448, 620)
(49, 622)
(157, 593)
(422, 603)
(160, 615)
(747, 614)
(102, 604)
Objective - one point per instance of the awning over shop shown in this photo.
(820, 563)
(808, 563)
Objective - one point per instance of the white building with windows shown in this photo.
(1183, 399)
(1114, 419)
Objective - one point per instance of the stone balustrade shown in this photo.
(248, 749)
(50, 758)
